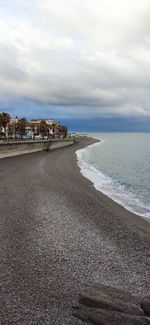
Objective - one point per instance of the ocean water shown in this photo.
(119, 166)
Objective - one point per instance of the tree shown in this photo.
(54, 125)
(43, 128)
(48, 131)
(64, 131)
(32, 129)
(15, 127)
(58, 129)
(0, 123)
(4, 120)
(21, 126)
(0, 120)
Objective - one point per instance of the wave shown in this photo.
(110, 187)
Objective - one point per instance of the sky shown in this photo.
(85, 63)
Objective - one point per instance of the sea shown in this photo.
(119, 166)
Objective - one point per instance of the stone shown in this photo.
(104, 297)
(146, 307)
(103, 305)
(99, 316)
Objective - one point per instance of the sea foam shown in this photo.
(110, 187)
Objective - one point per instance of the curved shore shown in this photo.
(57, 233)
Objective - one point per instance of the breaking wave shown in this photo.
(110, 187)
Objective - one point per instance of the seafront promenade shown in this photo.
(15, 148)
(57, 234)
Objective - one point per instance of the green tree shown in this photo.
(0, 120)
(0, 123)
(59, 130)
(33, 130)
(43, 128)
(21, 126)
(64, 131)
(4, 120)
(54, 126)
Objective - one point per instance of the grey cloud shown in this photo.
(81, 58)
(10, 65)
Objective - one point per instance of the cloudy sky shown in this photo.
(82, 61)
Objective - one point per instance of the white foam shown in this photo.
(111, 188)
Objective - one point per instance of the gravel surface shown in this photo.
(57, 233)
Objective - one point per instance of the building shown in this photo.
(35, 124)
(11, 127)
(32, 129)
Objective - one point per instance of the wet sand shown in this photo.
(57, 233)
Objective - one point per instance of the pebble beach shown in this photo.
(57, 234)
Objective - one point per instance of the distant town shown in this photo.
(23, 129)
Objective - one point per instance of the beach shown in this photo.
(58, 233)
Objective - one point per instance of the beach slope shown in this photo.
(57, 234)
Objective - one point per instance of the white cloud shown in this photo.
(88, 57)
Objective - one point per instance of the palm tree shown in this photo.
(48, 131)
(54, 125)
(59, 130)
(21, 126)
(32, 127)
(15, 127)
(5, 118)
(0, 124)
(43, 128)
(64, 131)
(0, 120)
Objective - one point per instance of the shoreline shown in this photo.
(81, 162)
(133, 215)
(147, 219)
(58, 233)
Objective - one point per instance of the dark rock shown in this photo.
(104, 305)
(108, 317)
(146, 307)
(102, 289)
(148, 258)
(104, 297)
(115, 304)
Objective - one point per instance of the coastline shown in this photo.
(143, 221)
(59, 233)
(96, 177)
